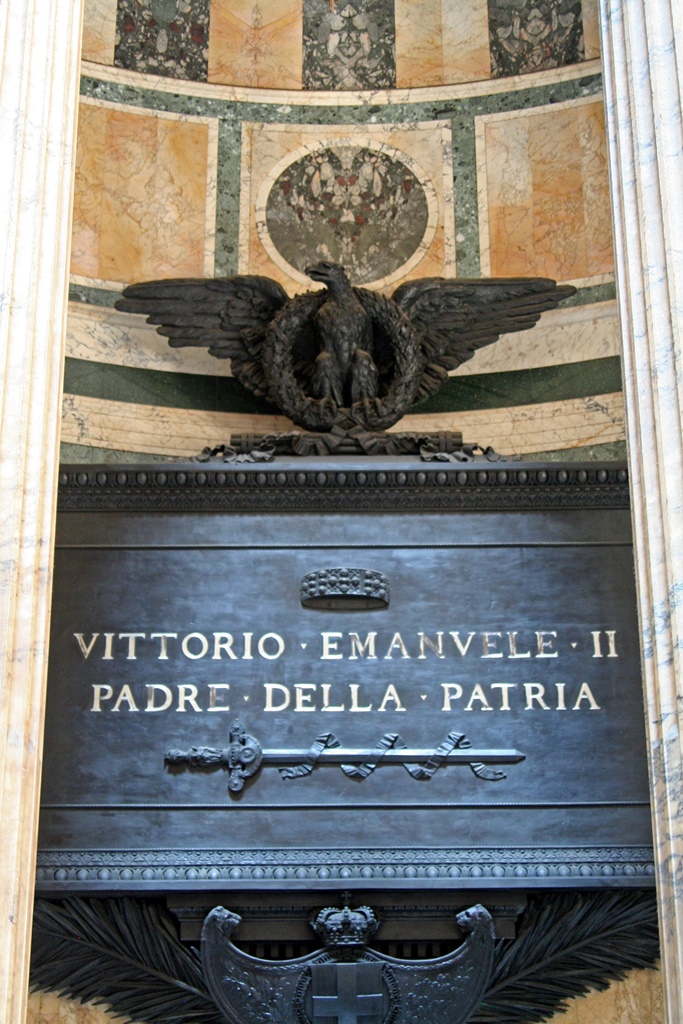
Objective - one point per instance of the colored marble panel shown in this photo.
(348, 44)
(591, 28)
(543, 192)
(106, 336)
(533, 35)
(163, 37)
(88, 190)
(558, 229)
(562, 336)
(546, 426)
(570, 78)
(531, 428)
(99, 31)
(419, 43)
(144, 195)
(439, 42)
(102, 423)
(274, 155)
(466, 55)
(635, 999)
(256, 44)
(596, 205)
(359, 207)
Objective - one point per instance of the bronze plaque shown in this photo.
(358, 672)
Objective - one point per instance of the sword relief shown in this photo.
(244, 757)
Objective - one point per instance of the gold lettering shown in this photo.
(362, 650)
(222, 642)
(100, 692)
(391, 694)
(611, 643)
(167, 695)
(545, 646)
(586, 694)
(131, 638)
(478, 694)
(463, 648)
(330, 645)
(504, 694)
(279, 642)
(451, 691)
(163, 647)
(489, 650)
(213, 702)
(512, 642)
(304, 700)
(128, 697)
(437, 647)
(203, 646)
(108, 642)
(535, 692)
(187, 694)
(353, 687)
(325, 687)
(86, 648)
(561, 706)
(284, 693)
(396, 643)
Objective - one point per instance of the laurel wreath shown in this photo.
(321, 414)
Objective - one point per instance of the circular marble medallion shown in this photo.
(365, 208)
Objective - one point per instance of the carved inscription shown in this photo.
(372, 693)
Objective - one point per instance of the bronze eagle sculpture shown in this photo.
(343, 353)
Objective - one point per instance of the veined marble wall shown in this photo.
(339, 44)
(179, 177)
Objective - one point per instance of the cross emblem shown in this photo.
(347, 992)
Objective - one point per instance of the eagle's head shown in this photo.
(328, 273)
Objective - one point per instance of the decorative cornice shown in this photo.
(76, 870)
(402, 484)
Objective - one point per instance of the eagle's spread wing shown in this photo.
(456, 317)
(229, 316)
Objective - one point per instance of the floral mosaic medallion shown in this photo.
(534, 35)
(349, 44)
(360, 207)
(163, 37)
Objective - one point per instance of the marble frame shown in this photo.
(254, 189)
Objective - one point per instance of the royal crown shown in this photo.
(337, 927)
(345, 587)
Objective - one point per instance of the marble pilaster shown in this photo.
(40, 41)
(642, 43)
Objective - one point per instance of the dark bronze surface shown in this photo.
(344, 359)
(347, 980)
(521, 549)
(126, 952)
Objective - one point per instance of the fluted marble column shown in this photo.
(643, 66)
(38, 96)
